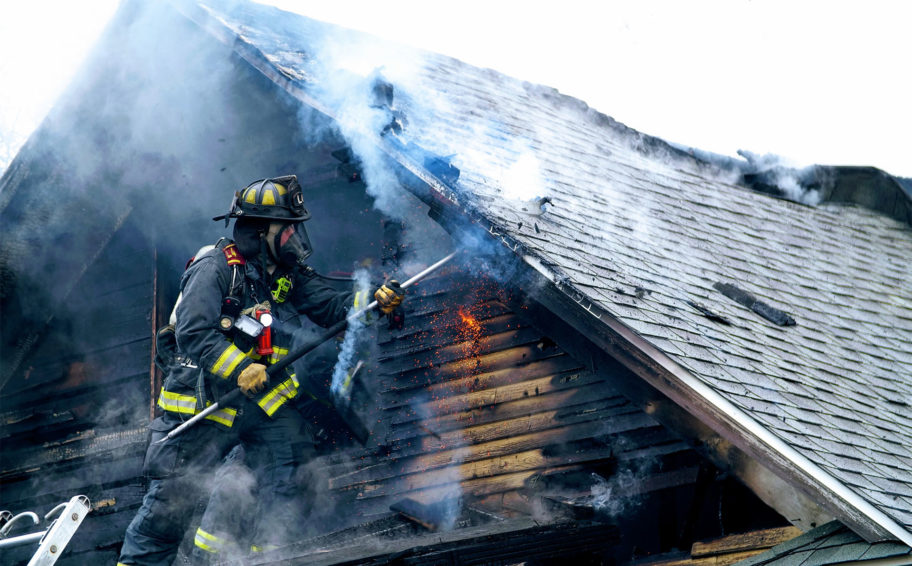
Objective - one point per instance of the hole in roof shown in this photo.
(748, 301)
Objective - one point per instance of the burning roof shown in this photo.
(634, 234)
(783, 329)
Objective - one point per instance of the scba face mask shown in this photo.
(290, 243)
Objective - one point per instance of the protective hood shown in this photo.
(247, 235)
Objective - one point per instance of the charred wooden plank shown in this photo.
(90, 478)
(434, 335)
(503, 542)
(422, 374)
(27, 420)
(465, 414)
(424, 317)
(434, 456)
(648, 447)
(644, 464)
(766, 538)
(441, 485)
(559, 364)
(587, 385)
(81, 407)
(605, 419)
(441, 307)
(570, 543)
(460, 348)
(431, 516)
(87, 444)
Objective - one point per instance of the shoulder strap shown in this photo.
(234, 259)
(232, 254)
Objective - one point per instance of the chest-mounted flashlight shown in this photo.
(264, 340)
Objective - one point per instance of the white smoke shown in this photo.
(523, 180)
(604, 498)
(340, 386)
(448, 491)
(783, 174)
(346, 69)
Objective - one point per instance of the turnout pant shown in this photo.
(183, 469)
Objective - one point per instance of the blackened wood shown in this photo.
(86, 444)
(411, 425)
(421, 373)
(556, 364)
(463, 347)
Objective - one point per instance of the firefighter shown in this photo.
(233, 318)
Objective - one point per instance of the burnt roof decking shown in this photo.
(470, 393)
(638, 235)
(481, 422)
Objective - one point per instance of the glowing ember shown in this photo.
(472, 324)
(470, 333)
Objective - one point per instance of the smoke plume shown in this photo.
(776, 171)
(345, 365)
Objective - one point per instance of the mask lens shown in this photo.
(286, 234)
(292, 245)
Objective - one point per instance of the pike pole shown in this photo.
(302, 350)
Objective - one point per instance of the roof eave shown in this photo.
(699, 399)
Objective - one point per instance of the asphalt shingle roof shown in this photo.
(644, 235)
(832, 543)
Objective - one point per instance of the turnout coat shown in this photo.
(206, 360)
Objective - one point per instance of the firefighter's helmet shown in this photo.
(279, 198)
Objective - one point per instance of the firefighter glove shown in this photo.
(389, 296)
(253, 379)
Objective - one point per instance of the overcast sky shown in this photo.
(812, 81)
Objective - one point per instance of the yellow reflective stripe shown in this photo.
(207, 536)
(207, 541)
(228, 361)
(258, 548)
(286, 390)
(277, 354)
(363, 298)
(224, 416)
(177, 403)
(186, 405)
(268, 400)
